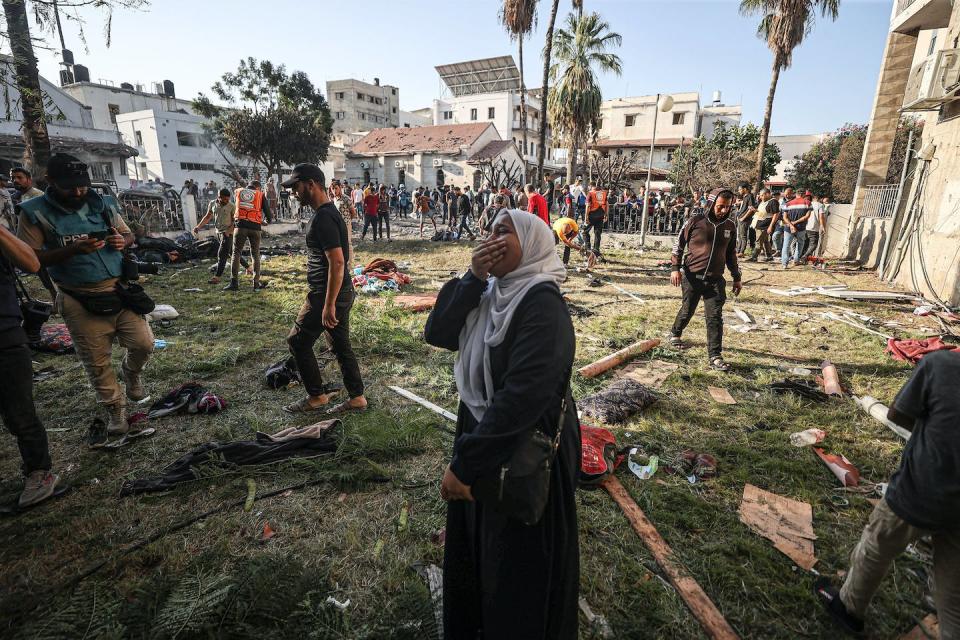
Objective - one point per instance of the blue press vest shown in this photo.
(70, 226)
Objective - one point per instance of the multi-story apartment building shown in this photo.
(360, 106)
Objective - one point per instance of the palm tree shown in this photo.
(545, 87)
(575, 98)
(783, 24)
(519, 17)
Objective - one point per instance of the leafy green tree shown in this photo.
(581, 51)
(272, 117)
(722, 160)
(783, 24)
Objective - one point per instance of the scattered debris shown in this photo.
(424, 402)
(785, 522)
(807, 437)
(846, 473)
(45, 374)
(644, 467)
(879, 412)
(600, 625)
(403, 521)
(342, 606)
(913, 350)
(614, 359)
(162, 312)
(849, 294)
(159, 344)
(193, 290)
(625, 292)
(433, 576)
(721, 395)
(268, 533)
(251, 495)
(744, 316)
(831, 379)
(378, 548)
(804, 388)
(619, 401)
(652, 373)
(693, 595)
(598, 455)
(698, 466)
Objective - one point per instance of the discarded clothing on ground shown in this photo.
(54, 338)
(386, 270)
(576, 311)
(787, 523)
(368, 284)
(912, 350)
(806, 389)
(444, 236)
(619, 401)
(598, 455)
(262, 450)
(282, 373)
(190, 397)
(318, 430)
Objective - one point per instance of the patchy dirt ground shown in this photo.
(370, 511)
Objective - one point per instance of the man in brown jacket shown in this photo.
(705, 245)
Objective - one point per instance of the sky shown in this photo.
(668, 46)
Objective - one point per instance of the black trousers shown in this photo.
(225, 251)
(18, 411)
(370, 221)
(465, 225)
(384, 218)
(594, 221)
(714, 294)
(307, 329)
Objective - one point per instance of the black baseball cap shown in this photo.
(67, 172)
(305, 171)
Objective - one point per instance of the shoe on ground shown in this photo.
(233, 286)
(260, 285)
(37, 487)
(214, 280)
(676, 342)
(96, 437)
(117, 424)
(829, 597)
(134, 385)
(718, 364)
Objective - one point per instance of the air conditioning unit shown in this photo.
(364, 164)
(933, 81)
(398, 164)
(438, 162)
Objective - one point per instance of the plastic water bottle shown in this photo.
(808, 437)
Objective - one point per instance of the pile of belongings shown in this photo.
(158, 250)
(912, 350)
(619, 401)
(804, 388)
(445, 236)
(598, 455)
(54, 338)
(190, 397)
(290, 443)
(380, 274)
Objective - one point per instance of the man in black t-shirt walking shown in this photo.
(327, 307)
(922, 499)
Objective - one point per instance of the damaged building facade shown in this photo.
(909, 229)
(452, 154)
(71, 127)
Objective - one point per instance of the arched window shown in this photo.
(440, 178)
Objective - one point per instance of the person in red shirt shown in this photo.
(371, 203)
(537, 204)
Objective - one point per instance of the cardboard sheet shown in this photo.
(721, 395)
(651, 374)
(785, 522)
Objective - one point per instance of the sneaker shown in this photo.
(37, 487)
(134, 384)
(829, 597)
(233, 286)
(118, 420)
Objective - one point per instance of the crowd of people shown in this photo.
(511, 561)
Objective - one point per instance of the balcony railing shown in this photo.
(879, 201)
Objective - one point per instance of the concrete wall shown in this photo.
(99, 97)
(347, 110)
(614, 114)
(838, 226)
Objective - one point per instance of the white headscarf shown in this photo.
(487, 325)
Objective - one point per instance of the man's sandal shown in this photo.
(718, 364)
(346, 407)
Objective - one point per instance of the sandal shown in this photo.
(344, 407)
(718, 364)
(676, 342)
(303, 406)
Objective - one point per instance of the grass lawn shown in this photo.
(343, 536)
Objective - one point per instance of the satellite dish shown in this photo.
(666, 103)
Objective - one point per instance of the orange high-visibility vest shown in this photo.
(249, 205)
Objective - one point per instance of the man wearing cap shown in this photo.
(221, 211)
(705, 245)
(330, 297)
(80, 238)
(250, 209)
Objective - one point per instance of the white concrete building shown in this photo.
(489, 91)
(454, 154)
(414, 119)
(107, 101)
(71, 127)
(791, 148)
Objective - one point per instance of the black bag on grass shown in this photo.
(282, 373)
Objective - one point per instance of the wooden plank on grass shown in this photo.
(594, 369)
(693, 595)
(927, 629)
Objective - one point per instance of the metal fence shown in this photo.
(879, 201)
(154, 214)
(626, 218)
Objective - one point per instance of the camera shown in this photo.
(132, 268)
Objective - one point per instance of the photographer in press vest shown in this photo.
(81, 240)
